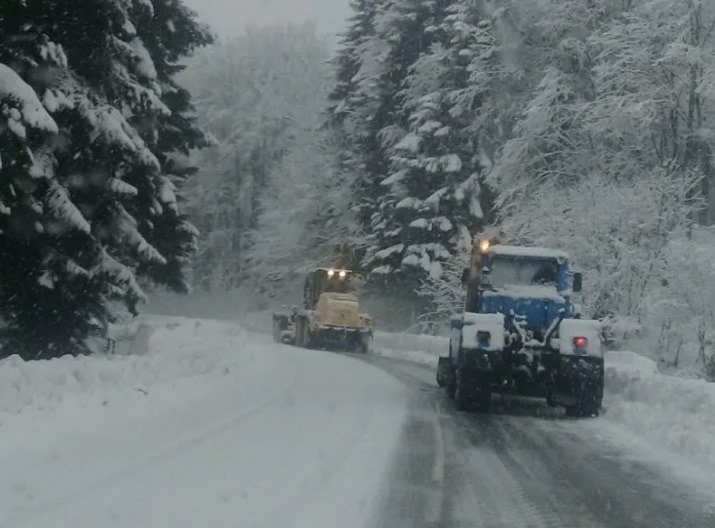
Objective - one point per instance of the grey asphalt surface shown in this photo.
(524, 465)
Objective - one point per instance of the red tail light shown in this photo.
(580, 342)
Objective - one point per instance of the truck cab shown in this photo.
(533, 283)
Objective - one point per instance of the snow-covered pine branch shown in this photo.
(90, 122)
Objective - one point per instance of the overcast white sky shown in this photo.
(231, 17)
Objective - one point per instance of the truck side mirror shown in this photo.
(577, 282)
(465, 275)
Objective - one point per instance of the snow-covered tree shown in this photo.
(446, 295)
(616, 232)
(582, 125)
(654, 72)
(266, 189)
(678, 314)
(90, 192)
(434, 183)
(626, 90)
(382, 42)
(547, 145)
(360, 103)
(304, 216)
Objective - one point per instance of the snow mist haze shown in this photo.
(167, 186)
(229, 18)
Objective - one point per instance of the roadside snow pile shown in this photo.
(422, 349)
(678, 414)
(180, 348)
(258, 322)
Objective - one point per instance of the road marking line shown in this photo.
(439, 457)
(436, 503)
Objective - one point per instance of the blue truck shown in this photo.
(521, 333)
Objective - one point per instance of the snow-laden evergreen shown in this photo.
(604, 149)
(433, 187)
(413, 104)
(93, 123)
(360, 104)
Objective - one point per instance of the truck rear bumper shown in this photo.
(339, 333)
(565, 376)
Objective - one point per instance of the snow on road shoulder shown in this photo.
(161, 350)
(421, 349)
(674, 413)
(230, 426)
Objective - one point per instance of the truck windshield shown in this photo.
(522, 272)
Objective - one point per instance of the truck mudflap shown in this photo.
(579, 385)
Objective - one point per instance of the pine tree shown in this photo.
(170, 34)
(91, 204)
(433, 194)
(358, 104)
(384, 38)
(348, 60)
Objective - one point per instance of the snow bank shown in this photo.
(150, 351)
(422, 349)
(271, 436)
(677, 414)
(535, 252)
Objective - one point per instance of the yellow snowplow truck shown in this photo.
(330, 318)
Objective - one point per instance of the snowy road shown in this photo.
(263, 435)
(523, 466)
(273, 437)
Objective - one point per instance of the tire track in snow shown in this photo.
(601, 483)
(468, 484)
(39, 510)
(535, 497)
(307, 486)
(497, 497)
(525, 466)
(414, 495)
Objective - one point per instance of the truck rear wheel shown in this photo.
(450, 384)
(472, 390)
(280, 324)
(302, 332)
(277, 332)
(462, 393)
(363, 347)
(483, 397)
(587, 406)
(360, 344)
